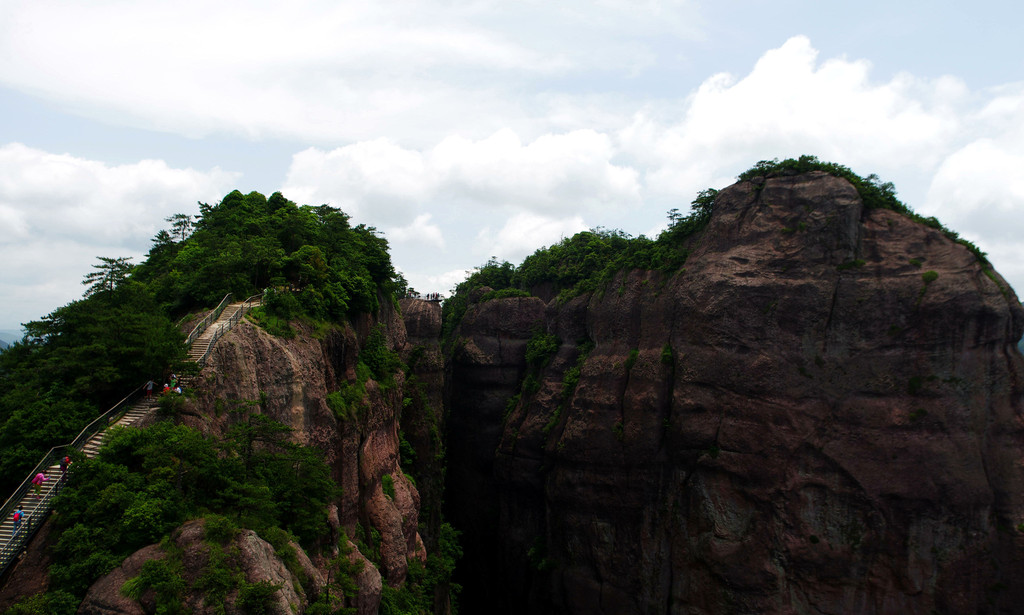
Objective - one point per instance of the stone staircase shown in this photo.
(201, 346)
(36, 507)
(32, 506)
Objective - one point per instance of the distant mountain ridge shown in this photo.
(9, 336)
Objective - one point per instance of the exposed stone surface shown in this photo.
(821, 414)
(487, 365)
(28, 576)
(369, 581)
(104, 597)
(423, 409)
(289, 381)
(798, 422)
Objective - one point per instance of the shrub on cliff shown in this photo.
(874, 193)
(494, 274)
(582, 263)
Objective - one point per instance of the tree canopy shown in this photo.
(79, 360)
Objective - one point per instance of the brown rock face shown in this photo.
(423, 416)
(821, 414)
(487, 365)
(291, 379)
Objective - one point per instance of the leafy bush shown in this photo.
(570, 379)
(382, 361)
(146, 482)
(219, 529)
(854, 264)
(50, 603)
(387, 484)
(416, 597)
(348, 401)
(164, 576)
(255, 598)
(504, 293)
(540, 349)
(667, 357)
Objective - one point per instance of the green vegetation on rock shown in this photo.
(146, 482)
(588, 261)
(874, 193)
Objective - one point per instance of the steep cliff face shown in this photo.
(290, 380)
(487, 365)
(821, 414)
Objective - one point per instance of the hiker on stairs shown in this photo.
(38, 482)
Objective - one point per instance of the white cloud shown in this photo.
(1007, 257)
(63, 197)
(384, 183)
(421, 233)
(524, 233)
(567, 172)
(453, 114)
(914, 131)
(442, 282)
(980, 187)
(319, 71)
(376, 179)
(60, 212)
(792, 104)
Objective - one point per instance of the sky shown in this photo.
(469, 129)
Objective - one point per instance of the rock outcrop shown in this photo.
(290, 380)
(246, 553)
(822, 413)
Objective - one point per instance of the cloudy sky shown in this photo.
(470, 129)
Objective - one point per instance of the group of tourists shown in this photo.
(171, 386)
(426, 297)
(37, 487)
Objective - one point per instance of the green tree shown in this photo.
(110, 273)
(181, 225)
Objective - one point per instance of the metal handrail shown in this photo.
(30, 524)
(33, 519)
(210, 318)
(104, 420)
(246, 306)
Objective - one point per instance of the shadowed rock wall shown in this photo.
(804, 420)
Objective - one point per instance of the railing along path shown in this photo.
(127, 411)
